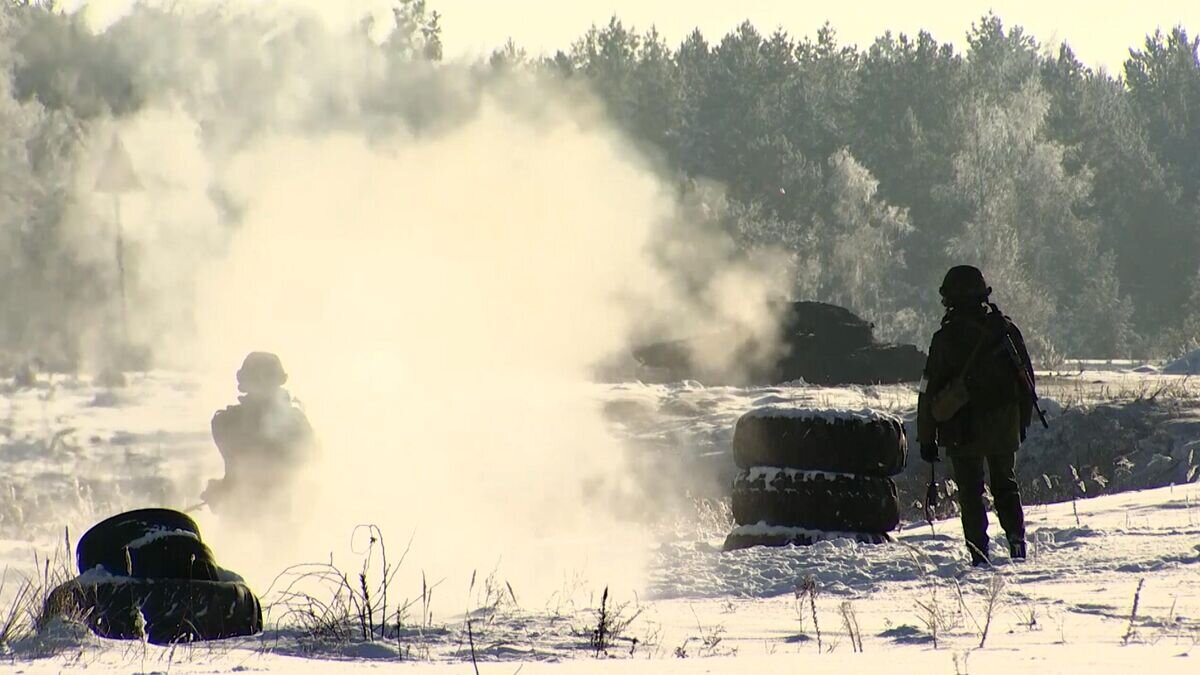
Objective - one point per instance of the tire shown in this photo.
(815, 500)
(173, 556)
(147, 544)
(841, 441)
(164, 611)
(758, 535)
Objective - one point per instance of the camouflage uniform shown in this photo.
(990, 427)
(264, 438)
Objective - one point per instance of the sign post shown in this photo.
(116, 177)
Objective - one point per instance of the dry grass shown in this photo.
(936, 618)
(807, 588)
(329, 606)
(850, 624)
(994, 593)
(708, 640)
(1075, 392)
(612, 623)
(15, 625)
(34, 605)
(1131, 632)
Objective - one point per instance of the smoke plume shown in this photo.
(440, 253)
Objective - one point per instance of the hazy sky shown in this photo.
(1101, 32)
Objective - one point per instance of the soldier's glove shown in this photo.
(929, 452)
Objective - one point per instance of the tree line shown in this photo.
(1076, 190)
(873, 169)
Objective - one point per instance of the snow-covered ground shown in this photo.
(74, 453)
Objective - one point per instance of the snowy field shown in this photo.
(74, 453)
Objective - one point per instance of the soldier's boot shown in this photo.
(979, 554)
(1016, 549)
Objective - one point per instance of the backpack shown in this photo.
(993, 381)
(988, 380)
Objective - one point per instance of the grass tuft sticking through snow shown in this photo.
(328, 610)
(612, 624)
(850, 623)
(808, 589)
(995, 589)
(39, 604)
(1131, 631)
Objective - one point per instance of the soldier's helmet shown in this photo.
(259, 371)
(964, 283)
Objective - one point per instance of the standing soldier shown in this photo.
(976, 400)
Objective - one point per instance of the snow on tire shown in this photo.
(760, 534)
(148, 544)
(815, 500)
(864, 442)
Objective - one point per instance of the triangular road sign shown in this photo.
(116, 172)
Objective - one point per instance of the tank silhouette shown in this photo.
(818, 342)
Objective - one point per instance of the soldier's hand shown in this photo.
(929, 452)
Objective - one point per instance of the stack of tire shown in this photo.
(147, 574)
(808, 475)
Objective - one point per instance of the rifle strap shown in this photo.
(1023, 367)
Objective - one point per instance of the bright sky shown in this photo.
(1100, 31)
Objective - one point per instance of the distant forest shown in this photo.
(875, 167)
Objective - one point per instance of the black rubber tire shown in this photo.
(746, 537)
(166, 610)
(861, 442)
(176, 556)
(815, 500)
(166, 544)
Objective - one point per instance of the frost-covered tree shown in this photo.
(1021, 230)
(997, 140)
(51, 298)
(908, 91)
(1163, 82)
(862, 263)
(1099, 320)
(416, 32)
(848, 252)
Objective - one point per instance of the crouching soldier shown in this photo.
(976, 400)
(264, 439)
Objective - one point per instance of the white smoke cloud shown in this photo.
(439, 303)
(440, 256)
(168, 225)
(101, 14)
